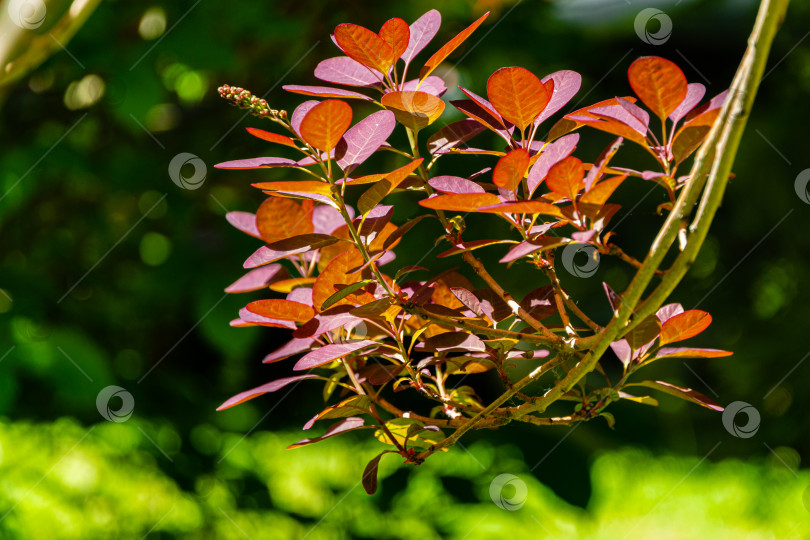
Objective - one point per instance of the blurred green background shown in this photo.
(110, 274)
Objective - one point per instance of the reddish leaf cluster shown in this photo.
(368, 334)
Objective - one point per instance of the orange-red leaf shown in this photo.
(272, 137)
(523, 207)
(601, 192)
(684, 325)
(460, 202)
(385, 186)
(365, 46)
(300, 186)
(440, 55)
(325, 124)
(278, 218)
(336, 275)
(511, 169)
(282, 309)
(396, 33)
(414, 109)
(518, 95)
(659, 83)
(565, 177)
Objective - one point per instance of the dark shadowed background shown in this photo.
(111, 274)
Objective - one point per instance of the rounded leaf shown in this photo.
(365, 46)
(396, 33)
(518, 95)
(286, 310)
(511, 169)
(415, 110)
(684, 325)
(325, 124)
(659, 83)
(279, 218)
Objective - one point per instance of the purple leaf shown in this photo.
(454, 184)
(264, 389)
(453, 135)
(452, 342)
(622, 115)
(256, 163)
(326, 322)
(310, 160)
(255, 279)
(566, 85)
(325, 91)
(468, 299)
(374, 222)
(538, 303)
(553, 154)
(613, 299)
(265, 255)
(583, 236)
(245, 222)
(715, 103)
(328, 353)
(694, 93)
(294, 346)
(432, 85)
(623, 351)
(301, 295)
(668, 311)
(683, 393)
(345, 70)
(492, 305)
(348, 424)
(363, 139)
(326, 219)
(637, 112)
(604, 158)
(687, 352)
(299, 113)
(531, 246)
(370, 472)
(253, 318)
(483, 116)
(422, 31)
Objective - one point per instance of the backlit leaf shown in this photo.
(300, 186)
(282, 309)
(365, 46)
(292, 347)
(440, 55)
(694, 93)
(659, 84)
(272, 137)
(344, 292)
(566, 177)
(523, 207)
(303, 241)
(381, 189)
(518, 95)
(466, 202)
(288, 285)
(330, 353)
(511, 169)
(454, 184)
(336, 275)
(684, 325)
(325, 124)
(551, 155)
(644, 332)
(257, 163)
(415, 110)
(278, 218)
(600, 193)
(245, 222)
(396, 33)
